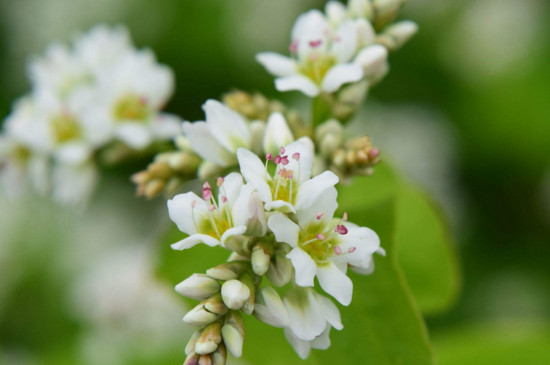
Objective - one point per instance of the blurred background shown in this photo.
(464, 113)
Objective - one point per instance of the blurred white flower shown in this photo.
(324, 247)
(291, 188)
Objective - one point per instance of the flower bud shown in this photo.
(215, 305)
(209, 169)
(260, 260)
(205, 360)
(277, 134)
(235, 319)
(209, 339)
(385, 12)
(233, 339)
(234, 294)
(184, 162)
(192, 359)
(228, 270)
(198, 316)
(182, 143)
(153, 188)
(248, 306)
(270, 308)
(220, 356)
(396, 35)
(198, 286)
(360, 8)
(280, 270)
(257, 131)
(190, 347)
(373, 59)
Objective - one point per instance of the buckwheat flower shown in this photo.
(291, 188)
(321, 56)
(129, 99)
(324, 247)
(310, 318)
(218, 137)
(208, 220)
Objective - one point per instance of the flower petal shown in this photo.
(254, 173)
(305, 318)
(204, 144)
(276, 64)
(336, 12)
(235, 231)
(284, 229)
(181, 211)
(322, 342)
(302, 168)
(226, 125)
(310, 191)
(281, 206)
(73, 153)
(366, 33)
(344, 45)
(134, 135)
(277, 134)
(340, 75)
(297, 82)
(335, 283)
(304, 266)
(325, 205)
(372, 59)
(230, 188)
(195, 240)
(302, 348)
(330, 311)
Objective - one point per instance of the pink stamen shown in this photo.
(345, 218)
(284, 160)
(206, 194)
(219, 181)
(269, 157)
(320, 236)
(224, 199)
(293, 46)
(296, 156)
(337, 38)
(337, 250)
(374, 153)
(282, 150)
(319, 216)
(341, 229)
(212, 208)
(193, 203)
(314, 56)
(315, 44)
(206, 185)
(352, 249)
(277, 159)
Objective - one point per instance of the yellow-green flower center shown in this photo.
(214, 223)
(65, 128)
(131, 107)
(284, 187)
(316, 66)
(318, 241)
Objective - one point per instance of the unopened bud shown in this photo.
(198, 286)
(260, 260)
(199, 316)
(192, 359)
(215, 305)
(270, 308)
(220, 356)
(190, 347)
(385, 12)
(234, 294)
(206, 360)
(372, 59)
(396, 35)
(233, 339)
(153, 188)
(280, 270)
(227, 271)
(209, 339)
(209, 169)
(248, 306)
(182, 143)
(360, 8)
(257, 131)
(160, 169)
(235, 319)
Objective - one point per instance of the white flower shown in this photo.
(211, 222)
(322, 56)
(276, 134)
(310, 317)
(129, 97)
(324, 247)
(218, 138)
(291, 188)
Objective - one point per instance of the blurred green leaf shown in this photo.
(497, 344)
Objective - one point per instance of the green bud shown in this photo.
(248, 306)
(280, 270)
(260, 260)
(228, 271)
(233, 339)
(209, 339)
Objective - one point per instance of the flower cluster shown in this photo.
(98, 96)
(278, 221)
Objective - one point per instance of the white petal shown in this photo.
(330, 311)
(302, 168)
(135, 135)
(181, 211)
(302, 348)
(304, 266)
(166, 126)
(73, 154)
(74, 184)
(204, 144)
(344, 45)
(281, 206)
(277, 134)
(366, 33)
(226, 125)
(340, 75)
(325, 205)
(322, 342)
(297, 82)
(284, 229)
(372, 59)
(310, 26)
(195, 240)
(305, 318)
(235, 231)
(335, 283)
(254, 173)
(276, 64)
(231, 188)
(336, 12)
(312, 189)
(249, 210)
